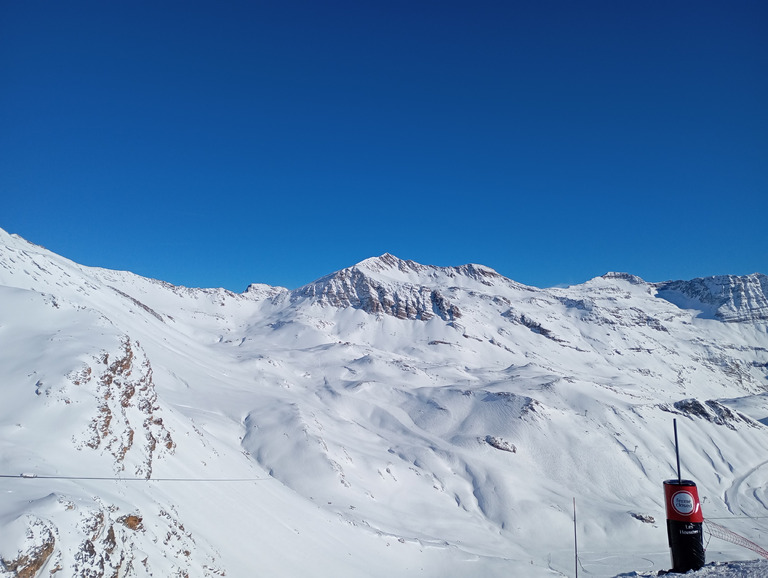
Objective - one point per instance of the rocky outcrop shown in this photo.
(711, 410)
(532, 324)
(501, 444)
(109, 542)
(39, 544)
(127, 415)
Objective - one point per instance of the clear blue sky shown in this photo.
(222, 143)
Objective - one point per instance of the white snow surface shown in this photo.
(390, 419)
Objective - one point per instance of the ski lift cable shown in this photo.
(129, 479)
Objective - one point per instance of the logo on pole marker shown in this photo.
(683, 503)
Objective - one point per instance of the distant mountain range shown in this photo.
(389, 419)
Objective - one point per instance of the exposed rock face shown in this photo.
(109, 543)
(40, 544)
(360, 288)
(728, 298)
(127, 406)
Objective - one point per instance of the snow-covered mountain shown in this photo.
(391, 418)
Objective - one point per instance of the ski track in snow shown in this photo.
(747, 497)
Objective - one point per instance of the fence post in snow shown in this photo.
(575, 542)
(684, 521)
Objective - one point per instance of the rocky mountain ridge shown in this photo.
(729, 298)
(392, 286)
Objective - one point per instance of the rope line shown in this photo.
(724, 533)
(740, 518)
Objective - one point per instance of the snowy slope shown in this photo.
(389, 418)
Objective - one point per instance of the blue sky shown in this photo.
(223, 143)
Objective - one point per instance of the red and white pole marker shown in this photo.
(684, 521)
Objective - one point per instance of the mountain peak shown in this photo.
(414, 272)
(259, 291)
(389, 262)
(634, 279)
(392, 286)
